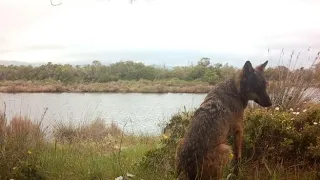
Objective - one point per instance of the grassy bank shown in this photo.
(279, 144)
(141, 86)
(92, 151)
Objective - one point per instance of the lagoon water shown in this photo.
(142, 113)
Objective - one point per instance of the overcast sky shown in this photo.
(156, 31)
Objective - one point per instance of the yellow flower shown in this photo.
(29, 152)
(164, 136)
(14, 168)
(231, 155)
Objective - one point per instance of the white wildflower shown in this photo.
(277, 108)
(315, 123)
(291, 109)
(130, 175)
(305, 110)
(119, 178)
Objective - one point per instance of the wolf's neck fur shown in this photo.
(240, 89)
(232, 90)
(235, 90)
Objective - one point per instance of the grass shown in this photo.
(100, 151)
(271, 171)
(291, 87)
(141, 86)
(91, 151)
(19, 138)
(105, 152)
(85, 161)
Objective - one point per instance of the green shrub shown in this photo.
(282, 135)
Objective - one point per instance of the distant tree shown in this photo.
(196, 72)
(227, 71)
(205, 62)
(96, 63)
(211, 76)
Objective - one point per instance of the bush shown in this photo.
(281, 135)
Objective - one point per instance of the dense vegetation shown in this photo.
(123, 70)
(129, 76)
(128, 70)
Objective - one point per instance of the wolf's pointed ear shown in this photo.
(262, 66)
(247, 68)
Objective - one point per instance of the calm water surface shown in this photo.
(143, 113)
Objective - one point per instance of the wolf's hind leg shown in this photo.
(215, 162)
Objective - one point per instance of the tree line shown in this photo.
(204, 71)
(123, 70)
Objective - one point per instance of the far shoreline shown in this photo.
(142, 87)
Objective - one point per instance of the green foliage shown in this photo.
(211, 76)
(281, 135)
(97, 72)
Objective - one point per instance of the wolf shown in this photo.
(203, 151)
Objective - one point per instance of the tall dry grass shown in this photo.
(95, 131)
(20, 140)
(293, 87)
(87, 151)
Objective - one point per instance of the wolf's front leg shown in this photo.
(238, 146)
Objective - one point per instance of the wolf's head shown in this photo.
(254, 85)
